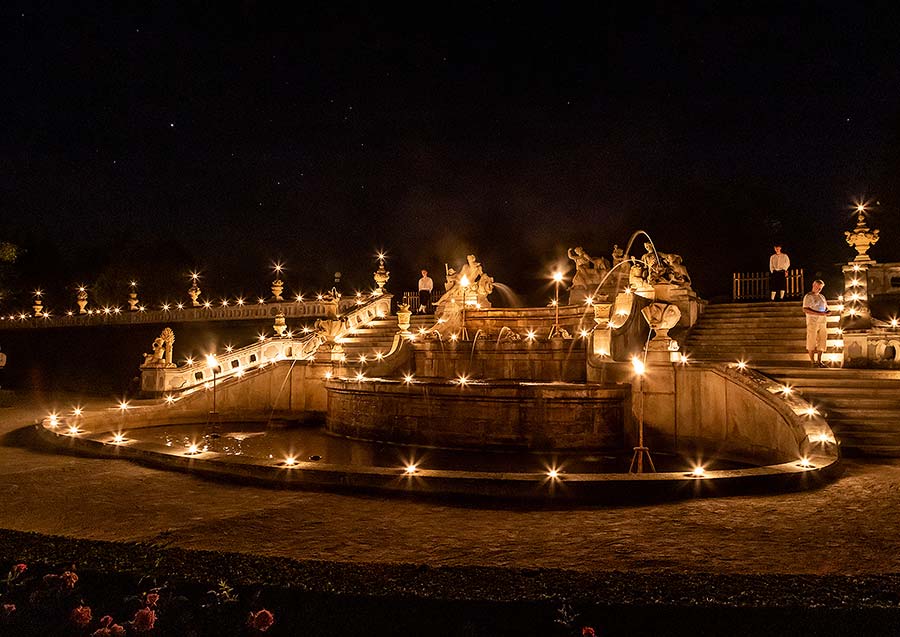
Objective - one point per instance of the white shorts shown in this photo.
(816, 333)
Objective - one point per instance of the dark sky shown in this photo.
(145, 140)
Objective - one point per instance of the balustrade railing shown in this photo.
(755, 285)
(118, 316)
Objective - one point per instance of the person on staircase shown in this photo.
(816, 309)
(779, 263)
(425, 287)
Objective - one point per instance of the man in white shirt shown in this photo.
(816, 309)
(425, 287)
(779, 264)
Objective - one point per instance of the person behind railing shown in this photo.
(779, 263)
(426, 285)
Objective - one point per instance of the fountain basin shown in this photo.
(480, 414)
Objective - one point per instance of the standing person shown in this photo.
(779, 264)
(816, 309)
(425, 287)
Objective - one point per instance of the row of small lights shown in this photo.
(164, 307)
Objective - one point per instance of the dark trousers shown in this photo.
(424, 301)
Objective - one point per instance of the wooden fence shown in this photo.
(755, 285)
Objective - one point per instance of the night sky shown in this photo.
(143, 140)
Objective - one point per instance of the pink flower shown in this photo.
(68, 579)
(81, 616)
(261, 620)
(587, 631)
(7, 609)
(144, 620)
(17, 570)
(108, 628)
(151, 599)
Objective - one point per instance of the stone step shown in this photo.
(840, 374)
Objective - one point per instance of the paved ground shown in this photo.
(847, 527)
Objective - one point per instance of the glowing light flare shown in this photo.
(462, 380)
(407, 378)
(119, 438)
(638, 365)
(557, 276)
(212, 362)
(229, 348)
(170, 399)
(189, 361)
(299, 298)
(583, 333)
(123, 405)
(742, 364)
(193, 449)
(805, 463)
(454, 336)
(894, 322)
(464, 281)
(77, 411)
(328, 375)
(360, 377)
(165, 307)
(553, 474)
(698, 472)
(260, 300)
(854, 282)
(73, 430)
(378, 356)
(290, 461)
(683, 359)
(261, 337)
(787, 390)
(225, 303)
(410, 469)
(277, 267)
(207, 304)
(530, 335)
(54, 419)
(239, 300)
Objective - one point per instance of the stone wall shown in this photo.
(555, 360)
(498, 415)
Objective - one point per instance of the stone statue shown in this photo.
(661, 267)
(588, 270)
(470, 281)
(161, 355)
(469, 286)
(618, 255)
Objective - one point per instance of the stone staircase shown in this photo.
(862, 406)
(758, 333)
(378, 335)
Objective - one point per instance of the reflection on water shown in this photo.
(313, 444)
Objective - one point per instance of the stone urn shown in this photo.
(38, 307)
(403, 316)
(277, 288)
(194, 292)
(381, 277)
(82, 300)
(280, 324)
(132, 301)
(862, 238)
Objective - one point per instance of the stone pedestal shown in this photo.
(687, 301)
(403, 317)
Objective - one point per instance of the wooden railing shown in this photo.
(755, 285)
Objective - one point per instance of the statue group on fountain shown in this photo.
(470, 284)
(658, 267)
